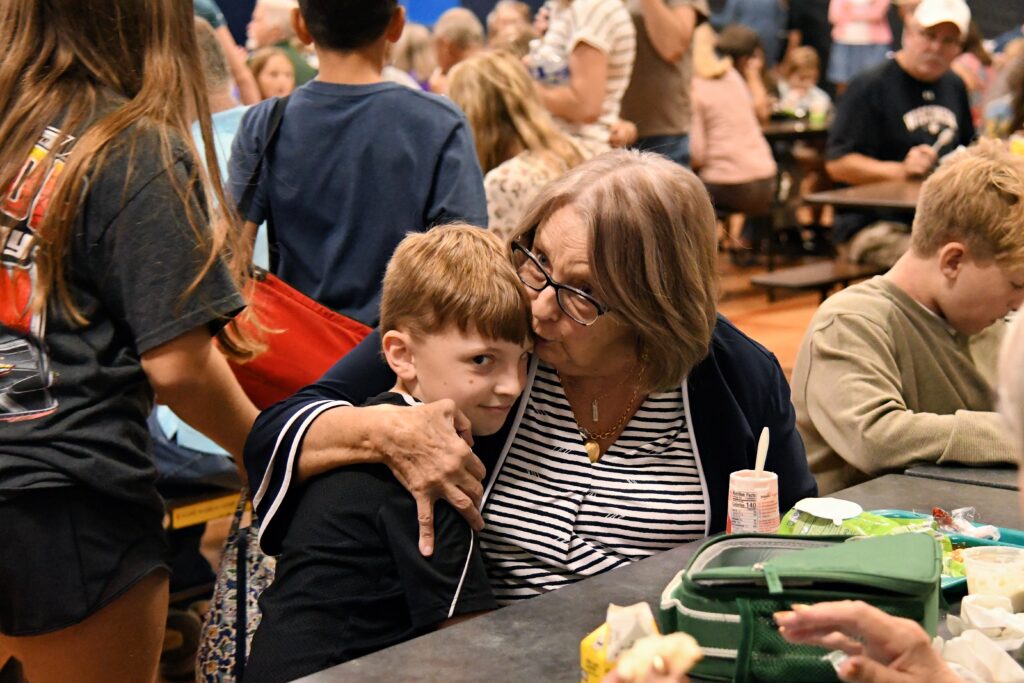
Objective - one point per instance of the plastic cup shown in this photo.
(817, 117)
(996, 570)
(753, 502)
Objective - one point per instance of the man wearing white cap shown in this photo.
(892, 122)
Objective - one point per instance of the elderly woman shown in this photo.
(640, 400)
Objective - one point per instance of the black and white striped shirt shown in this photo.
(553, 518)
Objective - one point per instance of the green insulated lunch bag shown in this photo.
(734, 584)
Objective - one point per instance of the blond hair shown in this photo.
(800, 59)
(460, 27)
(652, 240)
(521, 9)
(454, 275)
(413, 52)
(977, 198)
(504, 111)
(706, 62)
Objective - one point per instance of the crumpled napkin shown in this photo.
(993, 616)
(977, 659)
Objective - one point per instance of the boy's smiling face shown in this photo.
(483, 376)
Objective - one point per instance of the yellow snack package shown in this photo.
(623, 626)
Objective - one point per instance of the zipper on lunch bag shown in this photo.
(771, 577)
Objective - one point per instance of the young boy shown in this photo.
(357, 161)
(901, 368)
(350, 579)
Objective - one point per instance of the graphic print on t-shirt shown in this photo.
(932, 118)
(25, 374)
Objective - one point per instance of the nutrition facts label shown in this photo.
(753, 505)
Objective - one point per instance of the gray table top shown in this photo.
(538, 641)
(996, 477)
(898, 491)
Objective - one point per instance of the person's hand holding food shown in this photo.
(881, 648)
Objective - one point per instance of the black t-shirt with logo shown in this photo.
(74, 398)
(885, 112)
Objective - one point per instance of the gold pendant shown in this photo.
(593, 450)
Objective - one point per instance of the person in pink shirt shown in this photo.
(861, 38)
(728, 150)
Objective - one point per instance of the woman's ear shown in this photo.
(398, 351)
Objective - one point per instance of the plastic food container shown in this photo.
(996, 570)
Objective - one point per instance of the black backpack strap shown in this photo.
(276, 115)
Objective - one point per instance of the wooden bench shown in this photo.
(822, 276)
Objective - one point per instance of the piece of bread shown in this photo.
(675, 653)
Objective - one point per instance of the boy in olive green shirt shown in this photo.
(901, 369)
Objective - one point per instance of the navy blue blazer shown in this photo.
(738, 389)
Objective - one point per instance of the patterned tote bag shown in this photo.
(234, 613)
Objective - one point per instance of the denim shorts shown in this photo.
(675, 147)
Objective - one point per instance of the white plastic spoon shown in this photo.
(762, 451)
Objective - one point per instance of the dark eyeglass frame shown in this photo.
(558, 287)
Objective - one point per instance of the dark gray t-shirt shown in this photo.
(74, 399)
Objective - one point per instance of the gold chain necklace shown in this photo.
(594, 413)
(590, 439)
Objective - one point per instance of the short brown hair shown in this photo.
(800, 58)
(652, 240)
(454, 274)
(977, 198)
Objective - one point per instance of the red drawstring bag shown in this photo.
(303, 339)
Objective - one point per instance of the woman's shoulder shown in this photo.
(731, 348)
(539, 166)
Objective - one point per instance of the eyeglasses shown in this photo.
(575, 303)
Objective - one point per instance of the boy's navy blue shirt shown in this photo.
(351, 580)
(353, 169)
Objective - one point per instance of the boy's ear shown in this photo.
(952, 257)
(301, 29)
(396, 26)
(398, 352)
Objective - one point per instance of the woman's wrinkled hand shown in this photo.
(881, 648)
(427, 449)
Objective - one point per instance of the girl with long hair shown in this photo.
(118, 264)
(519, 146)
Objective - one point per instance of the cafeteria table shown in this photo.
(792, 130)
(995, 506)
(996, 477)
(539, 640)
(899, 195)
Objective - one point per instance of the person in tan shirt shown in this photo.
(901, 368)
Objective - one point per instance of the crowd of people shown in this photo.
(549, 392)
